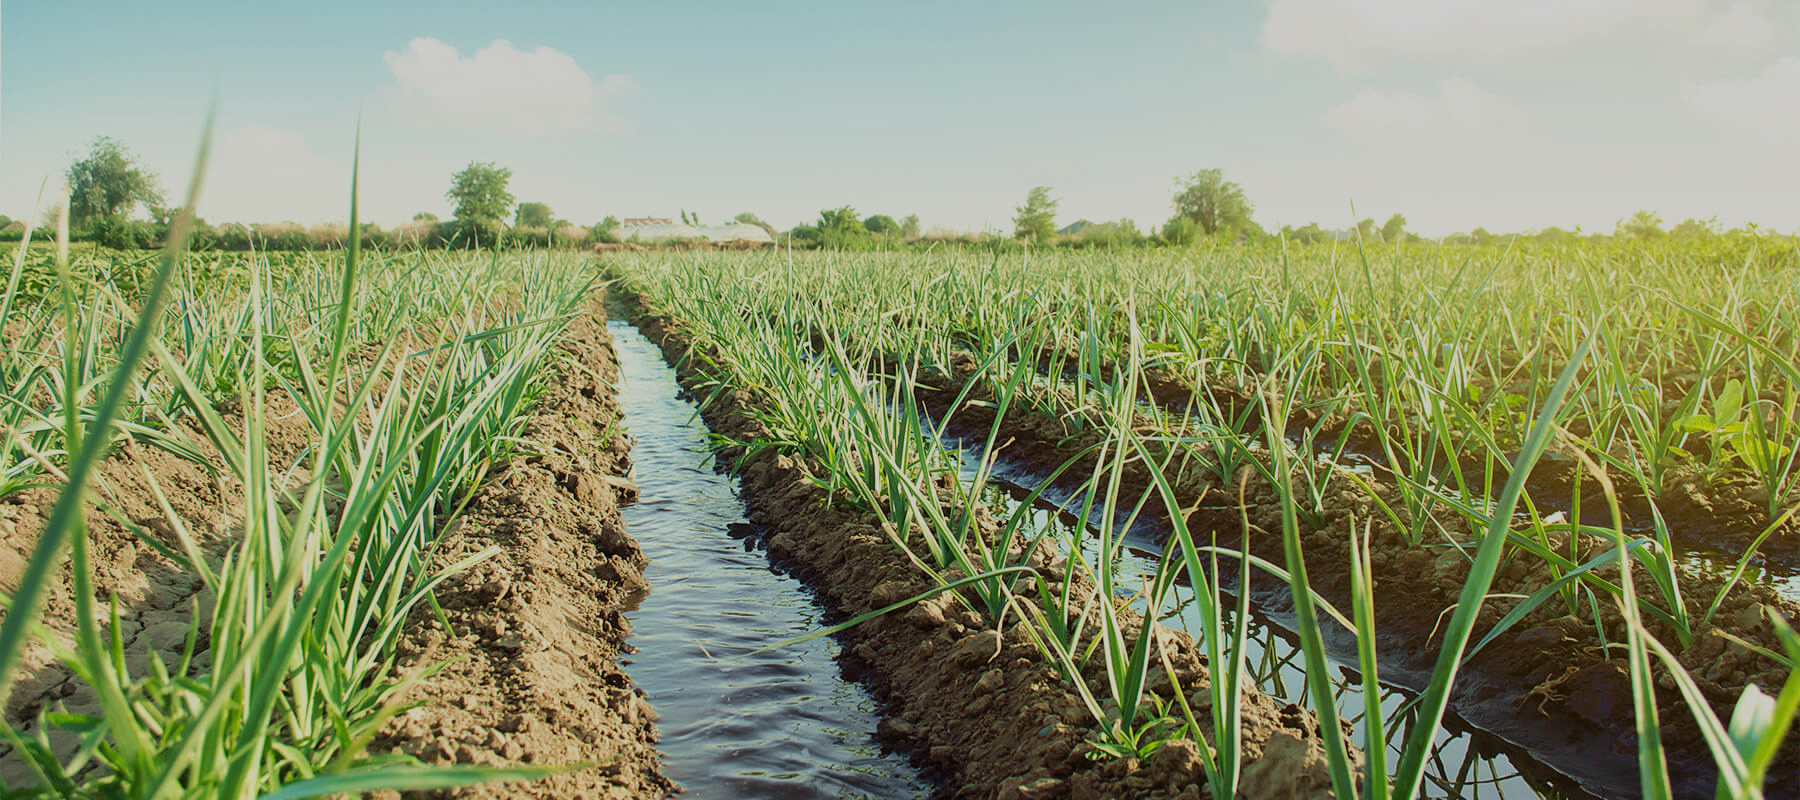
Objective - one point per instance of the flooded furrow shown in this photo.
(785, 723)
(1466, 763)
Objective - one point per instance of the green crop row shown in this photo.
(413, 374)
(834, 345)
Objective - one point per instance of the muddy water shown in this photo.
(785, 723)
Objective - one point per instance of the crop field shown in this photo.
(1315, 521)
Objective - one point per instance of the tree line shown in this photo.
(108, 184)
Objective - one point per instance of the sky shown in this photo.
(1505, 114)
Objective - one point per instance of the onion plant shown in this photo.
(327, 562)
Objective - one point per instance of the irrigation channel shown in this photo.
(788, 723)
(1468, 764)
(785, 723)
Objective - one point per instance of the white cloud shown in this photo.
(502, 89)
(1766, 106)
(1461, 111)
(262, 174)
(1355, 34)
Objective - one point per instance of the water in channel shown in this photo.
(784, 723)
(1464, 765)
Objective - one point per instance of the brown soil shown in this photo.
(534, 674)
(157, 595)
(979, 705)
(1722, 516)
(1544, 684)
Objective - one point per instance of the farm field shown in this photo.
(1516, 522)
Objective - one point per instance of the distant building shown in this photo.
(677, 232)
(639, 222)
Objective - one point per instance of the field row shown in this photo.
(816, 336)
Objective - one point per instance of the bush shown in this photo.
(464, 234)
(123, 234)
(1182, 232)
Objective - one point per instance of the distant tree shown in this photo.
(909, 227)
(1182, 231)
(1366, 227)
(1555, 234)
(1394, 229)
(1644, 224)
(881, 225)
(1036, 220)
(534, 215)
(1305, 234)
(690, 219)
(839, 228)
(1691, 228)
(606, 230)
(479, 192)
(5, 221)
(1215, 203)
(1481, 236)
(109, 183)
(425, 216)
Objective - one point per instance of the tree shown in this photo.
(109, 183)
(1309, 233)
(425, 216)
(1394, 230)
(1365, 228)
(1554, 234)
(909, 227)
(534, 215)
(479, 192)
(1642, 225)
(840, 228)
(881, 225)
(607, 230)
(1691, 228)
(1036, 219)
(1180, 230)
(1215, 203)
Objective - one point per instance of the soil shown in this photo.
(1545, 684)
(157, 595)
(1724, 516)
(533, 673)
(978, 705)
(536, 635)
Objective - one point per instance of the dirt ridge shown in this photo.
(533, 673)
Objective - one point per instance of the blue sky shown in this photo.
(1509, 114)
